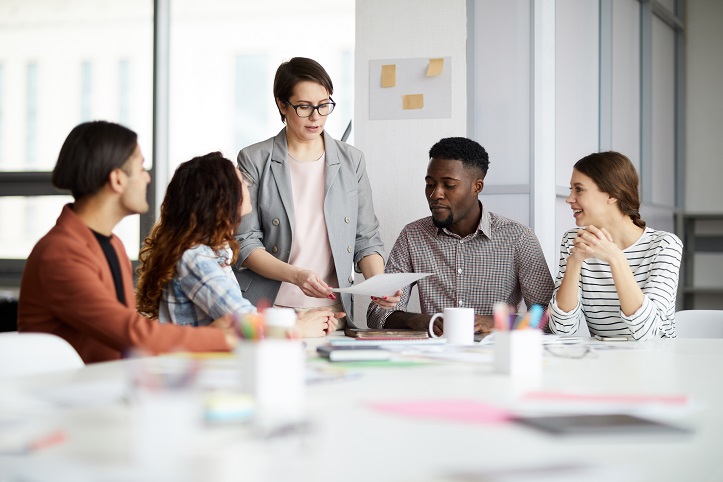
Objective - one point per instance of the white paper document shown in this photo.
(384, 284)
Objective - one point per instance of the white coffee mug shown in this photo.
(458, 325)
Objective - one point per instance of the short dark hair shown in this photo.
(471, 154)
(89, 154)
(614, 174)
(298, 69)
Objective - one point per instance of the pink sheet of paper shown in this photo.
(601, 398)
(454, 410)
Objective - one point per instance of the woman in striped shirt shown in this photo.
(616, 274)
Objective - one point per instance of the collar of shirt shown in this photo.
(483, 227)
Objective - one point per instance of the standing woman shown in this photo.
(615, 273)
(313, 220)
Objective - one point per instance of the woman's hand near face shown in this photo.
(594, 242)
(312, 285)
(388, 302)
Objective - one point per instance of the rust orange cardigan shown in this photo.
(67, 290)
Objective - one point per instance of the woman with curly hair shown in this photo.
(185, 276)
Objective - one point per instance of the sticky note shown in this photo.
(412, 101)
(389, 75)
(466, 411)
(434, 68)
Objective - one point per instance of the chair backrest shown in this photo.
(699, 324)
(33, 353)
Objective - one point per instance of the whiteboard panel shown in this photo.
(663, 118)
(410, 79)
(502, 87)
(577, 65)
(626, 79)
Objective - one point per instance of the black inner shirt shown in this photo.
(115, 270)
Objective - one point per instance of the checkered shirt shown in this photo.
(501, 261)
(203, 289)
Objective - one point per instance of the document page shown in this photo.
(384, 284)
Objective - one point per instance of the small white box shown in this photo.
(273, 371)
(519, 352)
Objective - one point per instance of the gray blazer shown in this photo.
(348, 208)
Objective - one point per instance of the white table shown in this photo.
(349, 441)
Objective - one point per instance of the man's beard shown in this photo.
(444, 223)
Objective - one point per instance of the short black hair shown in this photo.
(89, 154)
(294, 71)
(471, 154)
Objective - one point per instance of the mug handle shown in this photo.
(431, 324)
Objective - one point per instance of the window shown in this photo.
(61, 64)
(223, 61)
(94, 60)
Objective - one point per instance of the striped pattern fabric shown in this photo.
(655, 262)
(501, 261)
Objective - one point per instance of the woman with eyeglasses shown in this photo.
(616, 274)
(312, 223)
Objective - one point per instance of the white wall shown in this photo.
(577, 98)
(397, 150)
(704, 115)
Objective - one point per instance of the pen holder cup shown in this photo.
(273, 372)
(519, 352)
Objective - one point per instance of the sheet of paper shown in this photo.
(480, 357)
(384, 284)
(454, 410)
(605, 403)
(435, 67)
(412, 101)
(389, 75)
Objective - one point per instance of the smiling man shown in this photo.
(478, 257)
(77, 282)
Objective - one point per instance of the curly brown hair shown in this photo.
(202, 206)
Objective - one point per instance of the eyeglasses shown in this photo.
(305, 110)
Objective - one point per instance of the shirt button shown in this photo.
(351, 278)
(275, 249)
(347, 220)
(349, 249)
(461, 303)
(459, 270)
(275, 222)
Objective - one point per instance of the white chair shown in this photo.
(699, 324)
(32, 353)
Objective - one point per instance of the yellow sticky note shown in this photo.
(412, 101)
(389, 75)
(435, 67)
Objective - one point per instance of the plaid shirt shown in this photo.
(501, 261)
(203, 289)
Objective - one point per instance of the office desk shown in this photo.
(347, 440)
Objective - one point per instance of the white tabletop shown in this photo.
(347, 439)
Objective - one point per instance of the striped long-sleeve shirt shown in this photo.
(654, 260)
